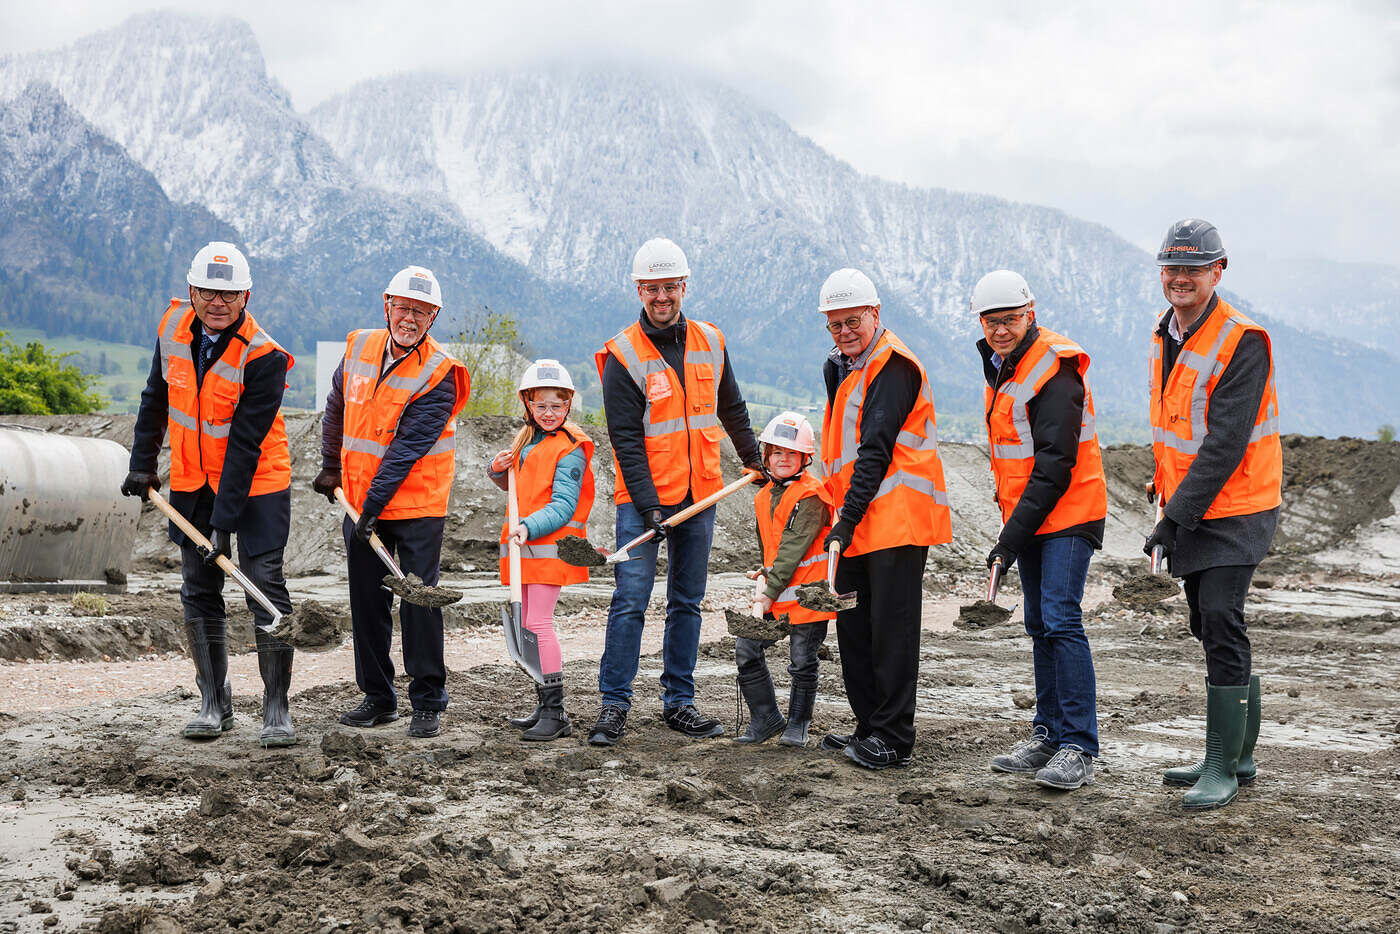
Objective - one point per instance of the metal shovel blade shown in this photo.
(522, 645)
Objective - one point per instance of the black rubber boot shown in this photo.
(1185, 776)
(208, 642)
(765, 720)
(275, 665)
(801, 698)
(553, 722)
(524, 723)
(1227, 708)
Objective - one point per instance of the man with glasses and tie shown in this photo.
(216, 385)
(670, 396)
(879, 457)
(388, 439)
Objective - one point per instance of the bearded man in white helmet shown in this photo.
(216, 386)
(388, 438)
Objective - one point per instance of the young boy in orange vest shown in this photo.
(554, 484)
(793, 517)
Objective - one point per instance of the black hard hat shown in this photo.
(1192, 242)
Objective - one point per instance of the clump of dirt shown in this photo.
(412, 589)
(744, 626)
(314, 626)
(1144, 591)
(818, 597)
(578, 552)
(981, 615)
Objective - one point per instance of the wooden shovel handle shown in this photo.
(694, 509)
(184, 525)
(375, 541)
(512, 517)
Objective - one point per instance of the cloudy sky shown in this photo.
(1279, 121)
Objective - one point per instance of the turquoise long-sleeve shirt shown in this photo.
(563, 497)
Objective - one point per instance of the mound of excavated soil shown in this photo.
(1146, 590)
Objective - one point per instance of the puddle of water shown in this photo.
(1282, 734)
(1335, 602)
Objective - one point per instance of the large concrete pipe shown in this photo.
(64, 524)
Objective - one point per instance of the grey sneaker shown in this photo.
(1028, 756)
(1070, 768)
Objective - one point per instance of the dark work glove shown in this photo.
(325, 483)
(763, 476)
(365, 527)
(1007, 556)
(140, 483)
(652, 519)
(841, 532)
(1165, 535)
(223, 546)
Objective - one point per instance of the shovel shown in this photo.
(581, 554)
(227, 566)
(410, 589)
(756, 627)
(822, 595)
(1158, 552)
(522, 645)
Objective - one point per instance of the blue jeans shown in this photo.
(688, 559)
(1052, 581)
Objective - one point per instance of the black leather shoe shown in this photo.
(368, 714)
(686, 719)
(873, 752)
(425, 723)
(612, 723)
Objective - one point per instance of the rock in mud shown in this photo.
(981, 615)
(744, 626)
(314, 626)
(706, 906)
(1024, 700)
(669, 890)
(412, 589)
(1145, 590)
(216, 801)
(576, 551)
(688, 791)
(342, 745)
(353, 846)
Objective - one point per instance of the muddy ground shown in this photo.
(109, 821)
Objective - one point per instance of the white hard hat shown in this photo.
(220, 265)
(659, 258)
(1000, 289)
(792, 431)
(847, 288)
(416, 282)
(546, 374)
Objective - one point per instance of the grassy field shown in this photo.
(119, 369)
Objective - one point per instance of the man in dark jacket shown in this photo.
(388, 437)
(216, 385)
(667, 388)
(1045, 458)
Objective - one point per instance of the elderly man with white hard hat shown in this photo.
(216, 385)
(879, 458)
(388, 438)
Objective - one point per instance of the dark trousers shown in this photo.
(804, 642)
(879, 640)
(1216, 599)
(417, 545)
(202, 588)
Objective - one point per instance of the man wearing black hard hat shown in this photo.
(1218, 476)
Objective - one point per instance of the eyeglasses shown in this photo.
(228, 295)
(1005, 321)
(669, 288)
(418, 313)
(548, 408)
(1191, 272)
(849, 324)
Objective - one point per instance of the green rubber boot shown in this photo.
(1227, 708)
(1185, 776)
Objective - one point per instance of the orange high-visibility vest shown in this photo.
(771, 523)
(1013, 451)
(1178, 416)
(910, 507)
(201, 416)
(681, 429)
(373, 407)
(534, 485)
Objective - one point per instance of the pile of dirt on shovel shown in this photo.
(1144, 591)
(981, 615)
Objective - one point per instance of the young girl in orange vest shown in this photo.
(554, 486)
(793, 517)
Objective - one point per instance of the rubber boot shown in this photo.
(208, 640)
(801, 698)
(553, 722)
(765, 720)
(275, 665)
(1227, 708)
(1186, 775)
(525, 722)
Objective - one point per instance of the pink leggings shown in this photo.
(537, 606)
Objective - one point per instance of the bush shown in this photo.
(491, 348)
(34, 381)
(1385, 434)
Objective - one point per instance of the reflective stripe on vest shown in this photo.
(772, 522)
(1012, 448)
(534, 488)
(677, 411)
(910, 506)
(373, 407)
(200, 413)
(1178, 415)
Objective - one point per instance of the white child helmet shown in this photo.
(792, 431)
(545, 374)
